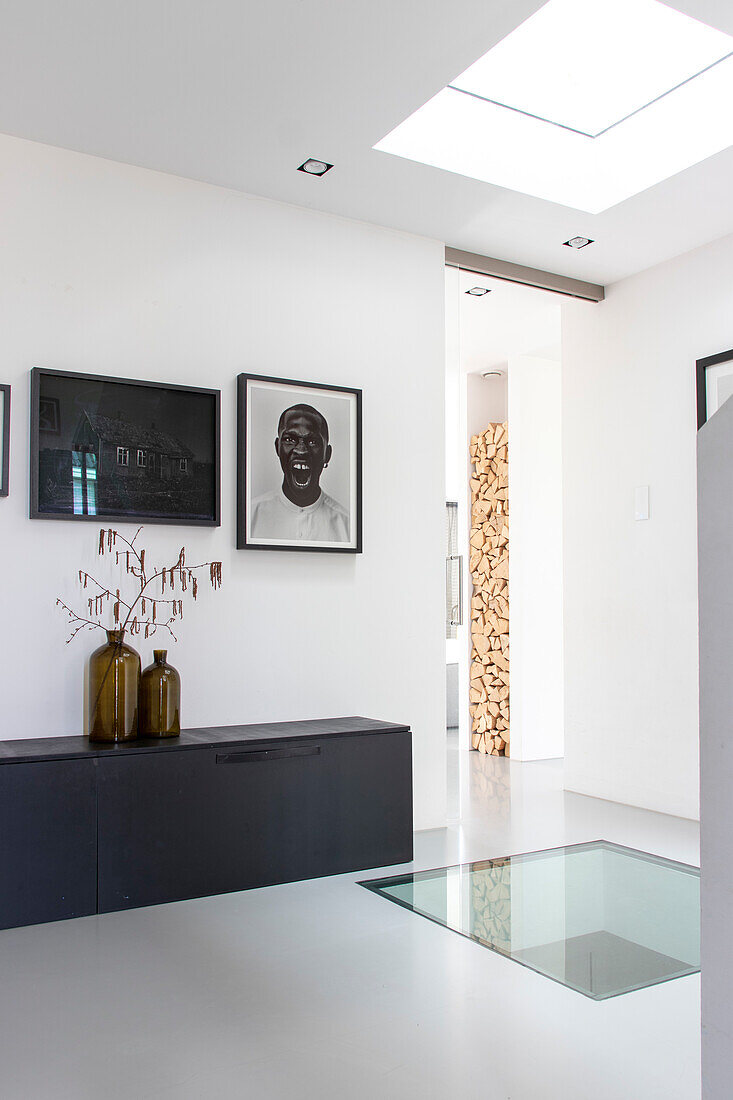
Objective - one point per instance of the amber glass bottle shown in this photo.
(114, 682)
(160, 698)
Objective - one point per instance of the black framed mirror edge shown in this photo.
(37, 373)
(701, 366)
(241, 520)
(5, 442)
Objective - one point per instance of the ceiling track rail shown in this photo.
(528, 276)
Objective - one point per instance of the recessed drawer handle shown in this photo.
(267, 754)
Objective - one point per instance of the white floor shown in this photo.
(322, 989)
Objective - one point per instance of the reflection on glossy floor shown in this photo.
(321, 989)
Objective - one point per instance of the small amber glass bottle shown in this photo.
(160, 698)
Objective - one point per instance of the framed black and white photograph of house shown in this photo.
(714, 384)
(298, 466)
(118, 449)
(4, 440)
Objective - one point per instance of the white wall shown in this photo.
(115, 270)
(486, 403)
(454, 464)
(535, 558)
(631, 586)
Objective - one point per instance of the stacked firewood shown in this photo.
(491, 916)
(489, 564)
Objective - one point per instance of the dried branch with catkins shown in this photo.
(142, 611)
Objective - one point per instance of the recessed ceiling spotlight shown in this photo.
(492, 374)
(315, 167)
(578, 242)
(479, 291)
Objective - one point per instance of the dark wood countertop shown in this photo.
(24, 750)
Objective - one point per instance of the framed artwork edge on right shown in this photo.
(5, 441)
(702, 366)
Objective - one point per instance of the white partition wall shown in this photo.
(715, 549)
(535, 559)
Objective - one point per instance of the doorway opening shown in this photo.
(504, 673)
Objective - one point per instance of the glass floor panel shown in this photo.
(597, 917)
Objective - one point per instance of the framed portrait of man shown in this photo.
(298, 466)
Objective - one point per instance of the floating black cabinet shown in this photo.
(155, 825)
(217, 810)
(234, 817)
(48, 846)
(364, 815)
(271, 804)
(307, 810)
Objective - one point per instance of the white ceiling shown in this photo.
(511, 320)
(240, 92)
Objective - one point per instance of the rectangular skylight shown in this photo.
(586, 103)
(587, 64)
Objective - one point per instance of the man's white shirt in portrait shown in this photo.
(273, 516)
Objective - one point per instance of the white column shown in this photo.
(536, 718)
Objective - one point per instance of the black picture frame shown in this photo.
(162, 479)
(5, 442)
(701, 368)
(250, 452)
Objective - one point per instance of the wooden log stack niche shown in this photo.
(489, 564)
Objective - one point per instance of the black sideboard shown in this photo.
(91, 828)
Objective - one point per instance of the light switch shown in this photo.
(641, 502)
